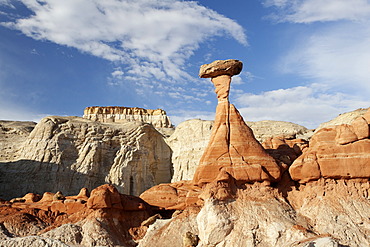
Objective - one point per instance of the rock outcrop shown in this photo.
(120, 114)
(337, 151)
(106, 218)
(319, 212)
(267, 129)
(68, 153)
(12, 136)
(232, 149)
(188, 143)
(191, 137)
(344, 118)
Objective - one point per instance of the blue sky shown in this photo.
(305, 61)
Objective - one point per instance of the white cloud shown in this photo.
(305, 105)
(338, 56)
(154, 38)
(333, 53)
(307, 11)
(117, 73)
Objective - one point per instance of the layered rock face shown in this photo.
(232, 149)
(191, 138)
(110, 114)
(338, 151)
(68, 153)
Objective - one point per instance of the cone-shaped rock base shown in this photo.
(233, 149)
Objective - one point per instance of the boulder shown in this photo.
(229, 67)
(337, 151)
(178, 195)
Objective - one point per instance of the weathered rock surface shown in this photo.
(285, 150)
(336, 151)
(173, 196)
(188, 143)
(68, 153)
(344, 118)
(109, 114)
(191, 137)
(106, 218)
(324, 212)
(217, 68)
(267, 129)
(12, 136)
(232, 151)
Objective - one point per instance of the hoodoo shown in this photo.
(232, 150)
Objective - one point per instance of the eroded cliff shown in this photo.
(68, 153)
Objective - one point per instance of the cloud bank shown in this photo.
(153, 39)
(306, 105)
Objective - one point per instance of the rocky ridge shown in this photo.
(109, 114)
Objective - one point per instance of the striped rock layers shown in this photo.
(337, 151)
(233, 150)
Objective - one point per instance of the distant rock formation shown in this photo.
(188, 143)
(344, 118)
(120, 114)
(68, 153)
(336, 151)
(232, 150)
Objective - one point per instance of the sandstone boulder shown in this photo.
(191, 138)
(178, 196)
(221, 67)
(322, 212)
(107, 218)
(337, 151)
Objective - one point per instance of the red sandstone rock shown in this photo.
(105, 196)
(340, 151)
(234, 149)
(221, 67)
(177, 195)
(118, 216)
(285, 150)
